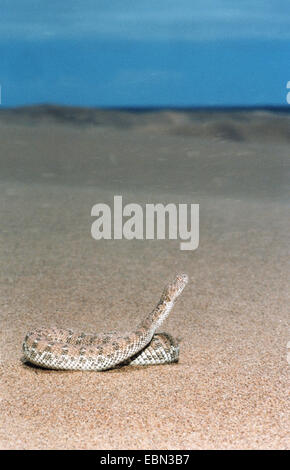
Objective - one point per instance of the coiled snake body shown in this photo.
(55, 348)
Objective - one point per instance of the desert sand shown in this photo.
(230, 389)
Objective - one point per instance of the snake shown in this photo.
(62, 349)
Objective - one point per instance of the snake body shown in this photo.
(55, 348)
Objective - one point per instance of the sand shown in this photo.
(230, 389)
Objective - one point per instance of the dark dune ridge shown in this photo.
(232, 124)
(238, 153)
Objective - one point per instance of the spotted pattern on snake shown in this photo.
(56, 348)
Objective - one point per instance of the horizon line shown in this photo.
(266, 107)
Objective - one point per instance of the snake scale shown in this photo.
(56, 348)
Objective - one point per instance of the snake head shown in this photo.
(174, 289)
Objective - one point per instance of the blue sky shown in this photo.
(152, 53)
